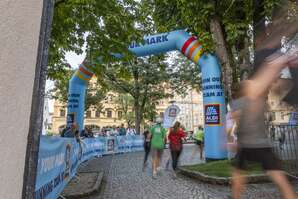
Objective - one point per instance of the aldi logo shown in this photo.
(212, 114)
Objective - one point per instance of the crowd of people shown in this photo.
(116, 131)
(72, 131)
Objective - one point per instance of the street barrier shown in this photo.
(59, 159)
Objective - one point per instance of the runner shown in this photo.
(199, 139)
(175, 137)
(158, 140)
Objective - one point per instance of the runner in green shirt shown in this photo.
(199, 138)
(158, 140)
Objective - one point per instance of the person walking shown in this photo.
(175, 138)
(199, 139)
(158, 140)
(147, 147)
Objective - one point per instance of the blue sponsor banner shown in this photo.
(59, 158)
(137, 143)
(212, 114)
(121, 144)
(57, 164)
(293, 118)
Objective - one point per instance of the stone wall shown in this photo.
(20, 28)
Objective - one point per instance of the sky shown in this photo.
(74, 60)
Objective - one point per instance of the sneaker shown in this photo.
(167, 165)
(174, 175)
(154, 176)
(158, 170)
(144, 166)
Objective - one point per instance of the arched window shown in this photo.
(62, 113)
(97, 113)
(120, 114)
(109, 113)
(88, 113)
(161, 114)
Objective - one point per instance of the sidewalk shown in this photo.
(89, 180)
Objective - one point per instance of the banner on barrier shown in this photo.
(59, 158)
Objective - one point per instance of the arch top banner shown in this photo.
(165, 42)
(213, 95)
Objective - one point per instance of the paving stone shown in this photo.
(124, 179)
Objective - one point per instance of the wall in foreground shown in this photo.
(20, 28)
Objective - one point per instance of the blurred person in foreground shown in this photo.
(158, 140)
(175, 138)
(253, 141)
(248, 109)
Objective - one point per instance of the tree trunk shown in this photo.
(136, 100)
(138, 117)
(223, 55)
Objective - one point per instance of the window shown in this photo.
(97, 113)
(62, 112)
(273, 116)
(119, 114)
(88, 114)
(109, 113)
(161, 114)
(282, 115)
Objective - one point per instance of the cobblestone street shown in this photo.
(124, 179)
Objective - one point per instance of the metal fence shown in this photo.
(285, 144)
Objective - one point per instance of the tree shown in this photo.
(125, 104)
(143, 79)
(222, 27)
(184, 74)
(103, 26)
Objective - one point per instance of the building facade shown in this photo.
(191, 114)
(279, 111)
(191, 110)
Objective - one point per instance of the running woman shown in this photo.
(158, 140)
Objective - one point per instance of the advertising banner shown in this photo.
(121, 144)
(293, 118)
(57, 164)
(59, 159)
(137, 143)
(170, 115)
(212, 114)
(110, 146)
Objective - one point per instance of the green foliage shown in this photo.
(125, 103)
(235, 16)
(49, 133)
(183, 74)
(104, 26)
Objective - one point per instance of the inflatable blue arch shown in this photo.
(213, 95)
